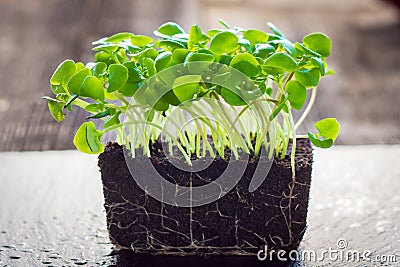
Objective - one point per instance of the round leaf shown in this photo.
(87, 139)
(170, 44)
(129, 88)
(319, 43)
(118, 75)
(255, 37)
(297, 94)
(195, 35)
(281, 61)
(263, 50)
(163, 60)
(76, 81)
(169, 29)
(328, 128)
(246, 63)
(99, 68)
(224, 42)
(200, 57)
(63, 73)
(198, 63)
(185, 87)
(141, 40)
(134, 74)
(179, 55)
(320, 143)
(232, 98)
(93, 88)
(148, 63)
(116, 38)
(56, 108)
(308, 78)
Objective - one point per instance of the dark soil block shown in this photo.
(239, 223)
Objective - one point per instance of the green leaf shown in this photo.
(93, 88)
(118, 75)
(134, 74)
(95, 107)
(63, 73)
(169, 29)
(289, 47)
(302, 48)
(163, 60)
(108, 48)
(193, 56)
(245, 44)
(297, 94)
(76, 81)
(79, 66)
(279, 63)
(170, 44)
(168, 75)
(179, 55)
(56, 108)
(148, 63)
(225, 59)
(232, 98)
(129, 88)
(213, 32)
(319, 43)
(274, 29)
(328, 129)
(195, 35)
(320, 143)
(149, 115)
(224, 23)
(152, 94)
(224, 42)
(202, 62)
(113, 120)
(141, 40)
(263, 50)
(116, 38)
(318, 62)
(148, 52)
(255, 37)
(103, 57)
(185, 87)
(99, 69)
(64, 97)
(308, 78)
(87, 139)
(246, 63)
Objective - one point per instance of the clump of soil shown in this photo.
(239, 223)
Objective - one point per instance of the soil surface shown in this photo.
(239, 223)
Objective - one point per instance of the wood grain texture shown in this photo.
(37, 35)
(51, 210)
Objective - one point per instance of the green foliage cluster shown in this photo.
(144, 79)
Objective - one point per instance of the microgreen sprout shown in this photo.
(237, 86)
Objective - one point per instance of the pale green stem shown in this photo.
(308, 108)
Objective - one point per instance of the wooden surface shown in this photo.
(51, 210)
(37, 35)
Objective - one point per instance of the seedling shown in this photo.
(247, 79)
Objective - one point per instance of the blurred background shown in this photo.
(36, 35)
